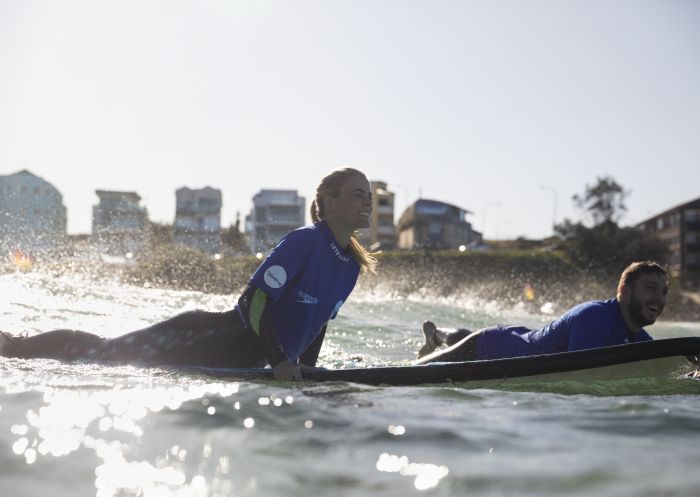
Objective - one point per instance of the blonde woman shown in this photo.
(280, 318)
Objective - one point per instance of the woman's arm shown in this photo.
(253, 303)
(310, 355)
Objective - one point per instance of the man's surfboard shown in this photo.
(637, 360)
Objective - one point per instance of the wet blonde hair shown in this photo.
(330, 185)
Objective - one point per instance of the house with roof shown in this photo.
(431, 224)
(32, 214)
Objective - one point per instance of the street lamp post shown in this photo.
(497, 236)
(483, 217)
(405, 194)
(554, 209)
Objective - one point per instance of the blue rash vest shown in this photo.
(307, 278)
(586, 326)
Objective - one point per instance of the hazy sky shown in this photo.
(469, 102)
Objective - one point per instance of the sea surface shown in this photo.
(84, 429)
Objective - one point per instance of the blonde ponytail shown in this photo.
(364, 258)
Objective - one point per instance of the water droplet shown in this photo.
(30, 456)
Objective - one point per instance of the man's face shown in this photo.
(647, 298)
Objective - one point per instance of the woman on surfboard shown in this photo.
(280, 318)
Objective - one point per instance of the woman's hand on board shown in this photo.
(287, 371)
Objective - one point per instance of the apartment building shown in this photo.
(679, 228)
(119, 223)
(274, 214)
(381, 234)
(198, 219)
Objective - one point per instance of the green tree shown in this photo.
(234, 239)
(605, 245)
(604, 201)
(161, 234)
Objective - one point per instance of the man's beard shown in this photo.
(635, 309)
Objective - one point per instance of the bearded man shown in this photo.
(641, 297)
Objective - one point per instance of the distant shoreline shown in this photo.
(499, 277)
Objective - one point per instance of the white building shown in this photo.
(198, 219)
(119, 223)
(274, 214)
(32, 214)
(381, 233)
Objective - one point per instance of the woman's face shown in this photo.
(353, 205)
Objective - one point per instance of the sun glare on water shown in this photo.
(73, 420)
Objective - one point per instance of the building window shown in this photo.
(692, 215)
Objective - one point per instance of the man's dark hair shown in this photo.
(632, 272)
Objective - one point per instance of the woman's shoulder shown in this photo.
(303, 237)
(309, 232)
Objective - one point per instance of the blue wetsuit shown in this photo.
(586, 326)
(306, 279)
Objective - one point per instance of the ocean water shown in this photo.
(82, 429)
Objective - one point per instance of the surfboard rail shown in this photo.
(516, 367)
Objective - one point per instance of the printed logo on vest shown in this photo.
(337, 308)
(275, 276)
(305, 298)
(338, 253)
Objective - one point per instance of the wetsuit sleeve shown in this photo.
(285, 262)
(253, 304)
(310, 355)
